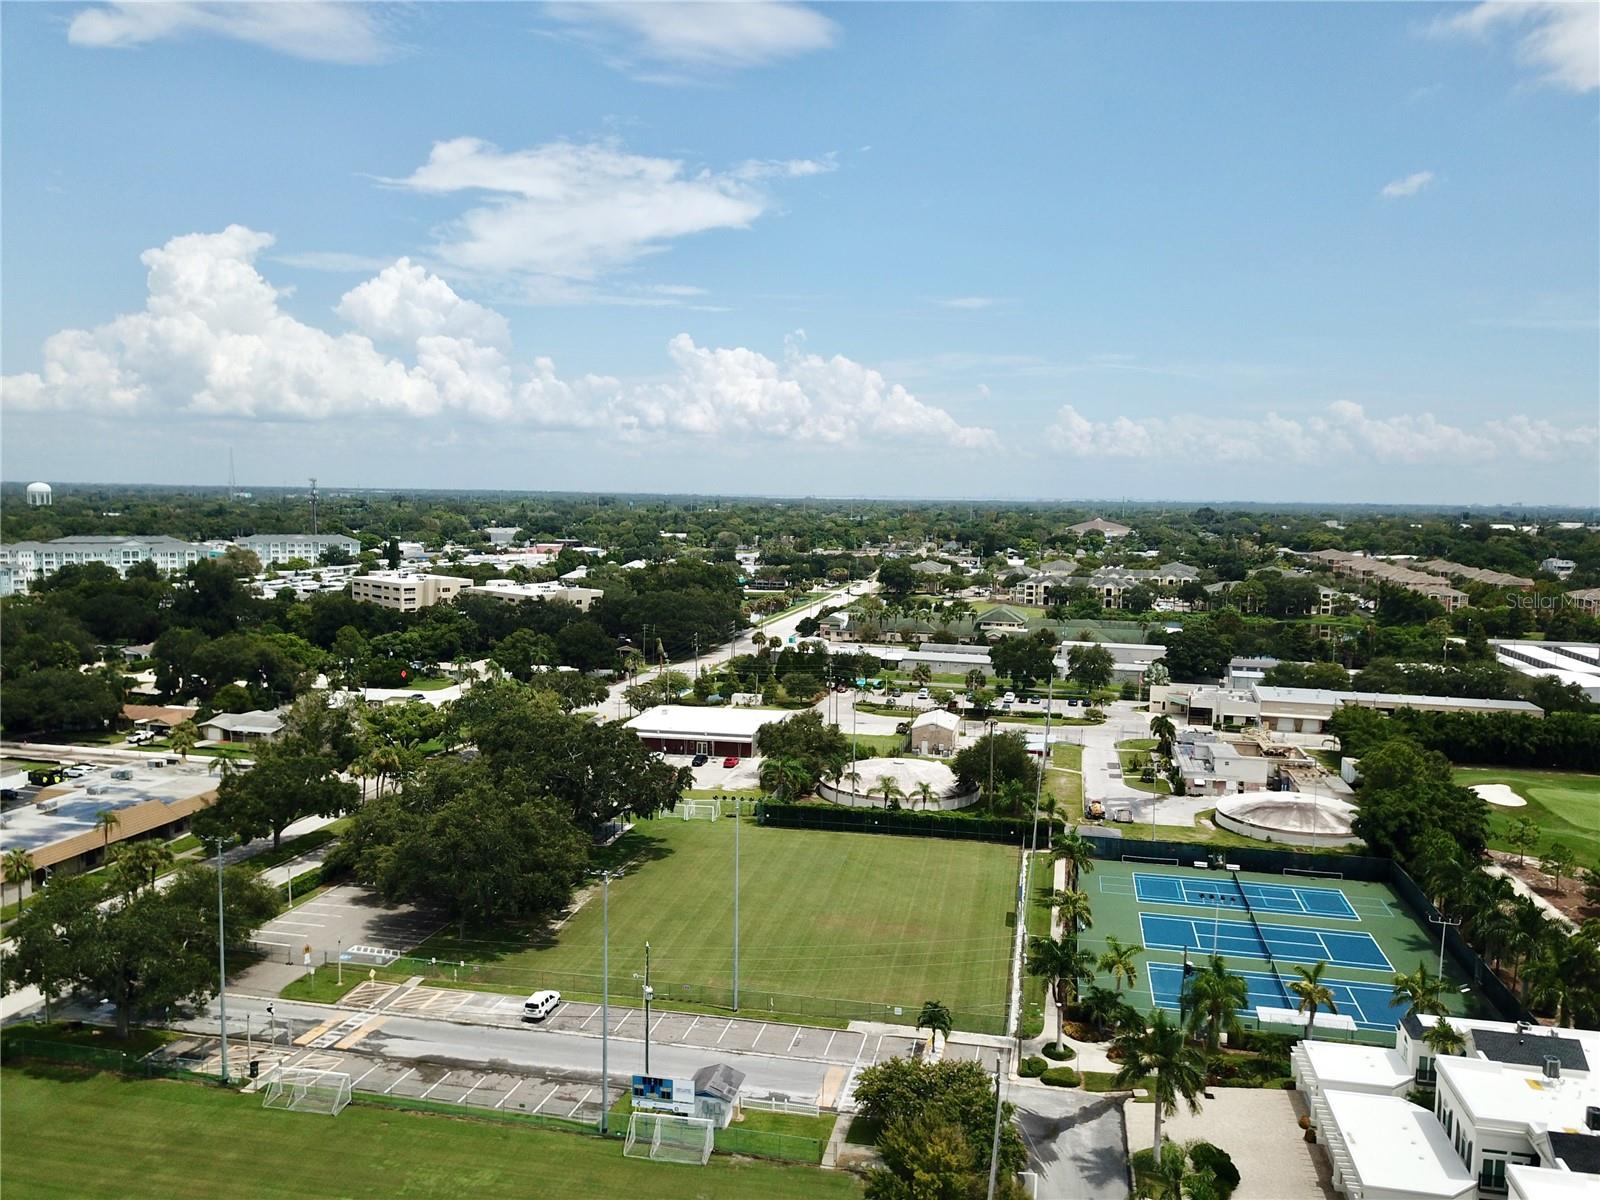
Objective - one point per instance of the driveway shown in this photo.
(1077, 1142)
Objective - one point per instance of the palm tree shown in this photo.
(1419, 991)
(1049, 806)
(1118, 960)
(1165, 734)
(1313, 994)
(1444, 1038)
(105, 823)
(184, 738)
(935, 1017)
(1162, 1059)
(853, 777)
(1075, 850)
(925, 794)
(785, 778)
(890, 789)
(18, 867)
(1103, 1007)
(1075, 911)
(1062, 965)
(1211, 1000)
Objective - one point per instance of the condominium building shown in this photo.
(282, 547)
(1364, 569)
(406, 591)
(27, 561)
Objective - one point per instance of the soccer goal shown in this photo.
(665, 1137)
(699, 810)
(303, 1090)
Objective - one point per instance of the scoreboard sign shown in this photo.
(654, 1093)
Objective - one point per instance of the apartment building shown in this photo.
(23, 562)
(273, 548)
(1455, 570)
(1363, 569)
(406, 591)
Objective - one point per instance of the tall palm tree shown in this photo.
(184, 738)
(105, 822)
(890, 789)
(1165, 734)
(18, 867)
(1313, 994)
(925, 794)
(1072, 848)
(1118, 961)
(785, 778)
(1211, 1000)
(1076, 913)
(1419, 991)
(1063, 966)
(1444, 1038)
(1162, 1056)
(935, 1018)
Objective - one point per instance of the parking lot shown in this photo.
(712, 774)
(340, 918)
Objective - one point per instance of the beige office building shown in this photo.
(406, 591)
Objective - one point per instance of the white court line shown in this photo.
(798, 1031)
(436, 1083)
(397, 1082)
(580, 1103)
(509, 1094)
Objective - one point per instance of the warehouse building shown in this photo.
(719, 732)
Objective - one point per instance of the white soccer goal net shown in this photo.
(302, 1090)
(665, 1137)
(699, 810)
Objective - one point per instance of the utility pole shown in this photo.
(737, 817)
(222, 967)
(313, 506)
(1044, 758)
(994, 1146)
(647, 1008)
(605, 998)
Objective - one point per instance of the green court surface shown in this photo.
(1565, 804)
(824, 916)
(84, 1137)
(1259, 921)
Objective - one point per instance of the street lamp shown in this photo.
(605, 998)
(737, 819)
(647, 997)
(222, 967)
(1444, 924)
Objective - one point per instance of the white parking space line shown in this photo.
(829, 1046)
(724, 1032)
(628, 1016)
(355, 1083)
(511, 1093)
(436, 1083)
(792, 1041)
(656, 1026)
(470, 1090)
(690, 1030)
(261, 941)
(761, 1030)
(581, 1102)
(546, 1099)
(585, 1022)
(396, 1083)
(308, 924)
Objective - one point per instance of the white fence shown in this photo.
(782, 1104)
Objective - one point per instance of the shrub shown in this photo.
(1061, 1077)
(1032, 1067)
(1207, 1157)
(1061, 1053)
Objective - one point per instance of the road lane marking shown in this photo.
(311, 1035)
(360, 1033)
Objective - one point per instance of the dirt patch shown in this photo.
(1568, 896)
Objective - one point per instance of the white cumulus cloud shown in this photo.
(213, 340)
(574, 212)
(1409, 185)
(1342, 429)
(312, 29)
(643, 35)
(1558, 39)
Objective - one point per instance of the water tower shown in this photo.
(39, 495)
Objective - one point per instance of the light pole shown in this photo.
(222, 967)
(1044, 757)
(647, 1008)
(1444, 924)
(737, 817)
(272, 1024)
(994, 1146)
(605, 998)
(991, 725)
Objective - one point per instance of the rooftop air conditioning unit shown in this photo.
(122, 773)
(48, 805)
(96, 789)
(1552, 1067)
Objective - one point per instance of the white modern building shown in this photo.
(1217, 766)
(509, 589)
(1561, 568)
(406, 591)
(1303, 710)
(686, 729)
(28, 561)
(1516, 1113)
(282, 547)
(1565, 662)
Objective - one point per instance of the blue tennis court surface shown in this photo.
(1220, 891)
(1370, 1004)
(1288, 943)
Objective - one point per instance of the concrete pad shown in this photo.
(1258, 1128)
(741, 1035)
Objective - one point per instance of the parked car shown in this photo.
(699, 760)
(922, 694)
(1010, 697)
(540, 1005)
(731, 761)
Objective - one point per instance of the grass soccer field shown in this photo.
(84, 1137)
(1257, 921)
(1564, 803)
(823, 916)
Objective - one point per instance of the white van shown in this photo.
(540, 1005)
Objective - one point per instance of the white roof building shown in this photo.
(689, 729)
(1566, 662)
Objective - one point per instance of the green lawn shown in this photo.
(82, 1137)
(1132, 751)
(1564, 803)
(824, 916)
(432, 684)
(887, 745)
(1064, 781)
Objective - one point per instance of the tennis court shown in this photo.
(1263, 925)
(1241, 939)
(1287, 899)
(1368, 1004)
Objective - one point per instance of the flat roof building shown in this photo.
(281, 547)
(509, 589)
(687, 729)
(406, 591)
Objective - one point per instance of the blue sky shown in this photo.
(1266, 252)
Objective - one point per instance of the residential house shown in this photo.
(257, 726)
(1561, 568)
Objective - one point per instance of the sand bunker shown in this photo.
(1499, 795)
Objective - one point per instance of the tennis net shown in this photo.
(1266, 949)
